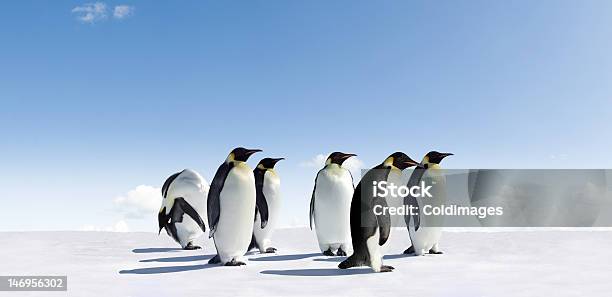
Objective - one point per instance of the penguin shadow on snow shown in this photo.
(340, 259)
(285, 257)
(171, 269)
(155, 250)
(330, 259)
(180, 259)
(398, 256)
(166, 269)
(319, 272)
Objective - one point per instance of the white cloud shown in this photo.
(90, 12)
(558, 156)
(120, 226)
(143, 201)
(123, 11)
(353, 164)
(317, 161)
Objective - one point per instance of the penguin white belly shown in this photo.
(427, 238)
(333, 194)
(395, 178)
(192, 187)
(374, 252)
(271, 190)
(237, 210)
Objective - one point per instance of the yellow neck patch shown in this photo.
(240, 164)
(389, 162)
(433, 166)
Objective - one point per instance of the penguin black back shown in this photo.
(363, 222)
(261, 206)
(213, 195)
(168, 182)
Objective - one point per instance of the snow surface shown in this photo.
(523, 263)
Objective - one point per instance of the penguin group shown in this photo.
(241, 206)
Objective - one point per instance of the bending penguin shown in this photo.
(368, 230)
(231, 208)
(330, 205)
(267, 192)
(425, 231)
(184, 193)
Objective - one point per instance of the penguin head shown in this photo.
(338, 158)
(268, 163)
(401, 161)
(241, 154)
(435, 157)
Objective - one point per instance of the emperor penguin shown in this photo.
(268, 200)
(425, 231)
(330, 205)
(184, 193)
(231, 208)
(369, 231)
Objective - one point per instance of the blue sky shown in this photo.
(93, 109)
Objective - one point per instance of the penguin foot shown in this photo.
(215, 260)
(235, 263)
(344, 265)
(270, 250)
(190, 246)
(348, 263)
(340, 252)
(386, 268)
(409, 251)
(328, 253)
(435, 252)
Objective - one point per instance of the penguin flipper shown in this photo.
(312, 202)
(253, 244)
(214, 193)
(261, 205)
(409, 200)
(182, 207)
(162, 219)
(384, 222)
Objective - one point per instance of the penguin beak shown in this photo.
(444, 155)
(250, 152)
(278, 159)
(411, 163)
(346, 156)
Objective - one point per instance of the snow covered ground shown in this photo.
(519, 263)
